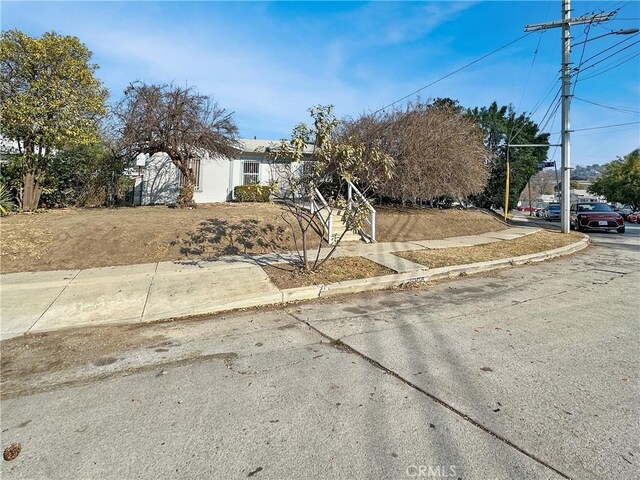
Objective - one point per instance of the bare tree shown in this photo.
(314, 159)
(439, 152)
(177, 121)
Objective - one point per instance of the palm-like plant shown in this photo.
(6, 203)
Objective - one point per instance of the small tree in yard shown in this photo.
(177, 121)
(49, 101)
(314, 159)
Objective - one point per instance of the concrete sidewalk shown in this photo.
(45, 301)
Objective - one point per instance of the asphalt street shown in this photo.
(530, 372)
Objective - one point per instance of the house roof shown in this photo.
(255, 145)
(250, 145)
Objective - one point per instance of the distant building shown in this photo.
(576, 195)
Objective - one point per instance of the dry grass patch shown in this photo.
(407, 224)
(334, 270)
(534, 243)
(79, 238)
(86, 238)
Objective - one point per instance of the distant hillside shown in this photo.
(586, 172)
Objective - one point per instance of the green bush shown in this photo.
(252, 193)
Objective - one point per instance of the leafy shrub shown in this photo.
(252, 193)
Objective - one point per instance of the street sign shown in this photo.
(546, 164)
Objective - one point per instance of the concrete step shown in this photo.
(338, 228)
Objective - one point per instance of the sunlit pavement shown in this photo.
(530, 372)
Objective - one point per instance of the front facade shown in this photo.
(158, 179)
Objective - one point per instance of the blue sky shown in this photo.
(269, 62)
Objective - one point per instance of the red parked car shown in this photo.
(525, 208)
(633, 217)
(595, 216)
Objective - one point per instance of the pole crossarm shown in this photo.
(601, 17)
(534, 145)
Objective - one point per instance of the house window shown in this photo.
(250, 172)
(194, 165)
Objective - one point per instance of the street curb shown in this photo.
(404, 279)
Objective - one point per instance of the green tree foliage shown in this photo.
(83, 175)
(620, 180)
(50, 100)
(502, 125)
(575, 185)
(315, 158)
(177, 121)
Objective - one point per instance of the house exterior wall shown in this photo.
(214, 180)
(160, 181)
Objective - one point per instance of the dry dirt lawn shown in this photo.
(332, 271)
(85, 238)
(534, 243)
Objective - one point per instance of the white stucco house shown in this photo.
(158, 179)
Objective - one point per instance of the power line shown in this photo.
(604, 132)
(578, 68)
(604, 126)
(587, 29)
(553, 107)
(526, 84)
(600, 127)
(611, 107)
(622, 62)
(452, 73)
(609, 56)
(553, 114)
(541, 101)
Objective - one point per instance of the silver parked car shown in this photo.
(552, 212)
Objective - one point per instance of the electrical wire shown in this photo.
(541, 101)
(601, 71)
(611, 107)
(599, 127)
(587, 29)
(604, 132)
(555, 102)
(553, 106)
(451, 73)
(579, 67)
(526, 83)
(604, 126)
(552, 116)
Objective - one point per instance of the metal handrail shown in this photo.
(372, 211)
(327, 222)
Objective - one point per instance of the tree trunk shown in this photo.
(185, 198)
(32, 191)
